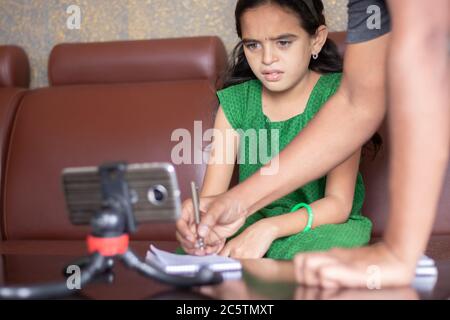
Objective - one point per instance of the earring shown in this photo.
(315, 56)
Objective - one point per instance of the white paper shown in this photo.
(178, 263)
(426, 275)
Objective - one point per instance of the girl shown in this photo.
(282, 72)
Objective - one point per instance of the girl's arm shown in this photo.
(334, 208)
(225, 144)
(222, 158)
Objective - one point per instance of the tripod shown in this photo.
(108, 242)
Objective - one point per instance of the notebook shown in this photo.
(426, 275)
(426, 267)
(185, 264)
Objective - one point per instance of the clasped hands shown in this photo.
(221, 218)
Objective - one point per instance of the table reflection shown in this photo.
(270, 279)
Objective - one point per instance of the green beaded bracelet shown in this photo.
(310, 214)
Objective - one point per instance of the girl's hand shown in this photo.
(186, 230)
(252, 243)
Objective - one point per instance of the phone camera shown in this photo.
(157, 194)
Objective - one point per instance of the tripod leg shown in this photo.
(55, 290)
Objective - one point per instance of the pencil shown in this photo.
(195, 201)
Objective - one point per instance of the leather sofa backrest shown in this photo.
(198, 58)
(14, 78)
(14, 67)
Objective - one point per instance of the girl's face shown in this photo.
(277, 49)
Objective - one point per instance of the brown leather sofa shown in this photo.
(14, 79)
(117, 101)
(122, 101)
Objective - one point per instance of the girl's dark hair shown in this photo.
(311, 17)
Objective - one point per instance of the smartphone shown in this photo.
(153, 189)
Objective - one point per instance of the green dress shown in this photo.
(243, 108)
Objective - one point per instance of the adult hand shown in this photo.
(223, 218)
(374, 266)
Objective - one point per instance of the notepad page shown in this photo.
(176, 263)
(173, 258)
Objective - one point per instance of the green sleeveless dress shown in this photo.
(242, 105)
